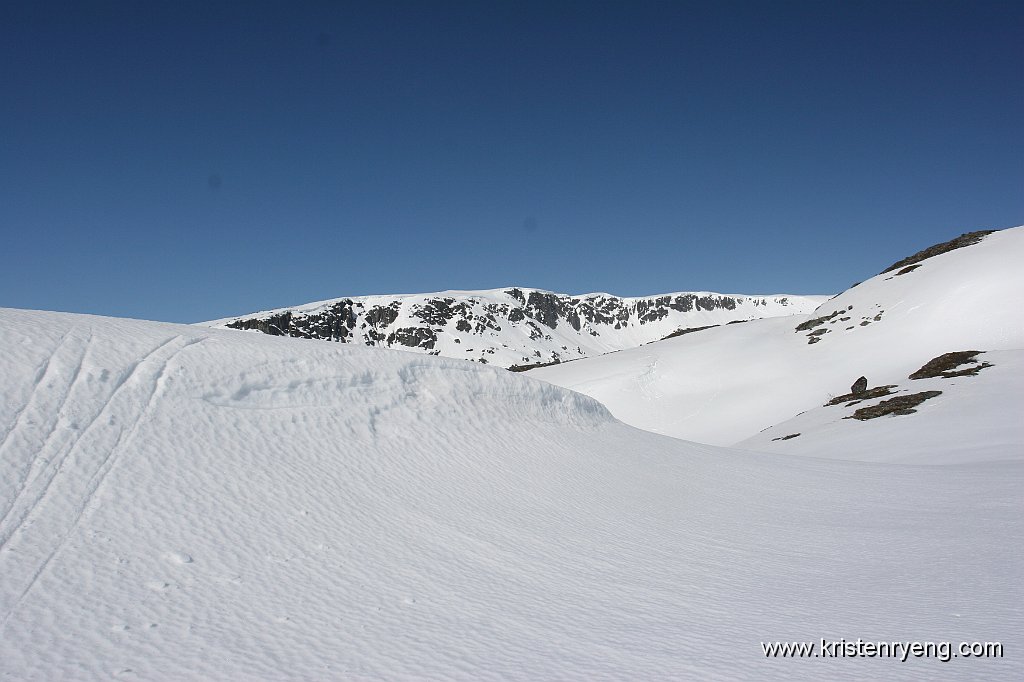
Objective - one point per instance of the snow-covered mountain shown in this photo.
(727, 384)
(514, 326)
(186, 503)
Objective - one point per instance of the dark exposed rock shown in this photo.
(792, 435)
(604, 310)
(814, 322)
(909, 268)
(859, 386)
(413, 337)
(333, 324)
(486, 322)
(868, 394)
(545, 308)
(436, 311)
(966, 239)
(382, 316)
(903, 404)
(526, 368)
(517, 294)
(684, 303)
(715, 303)
(945, 365)
(573, 318)
(652, 310)
(275, 325)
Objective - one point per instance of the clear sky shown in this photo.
(186, 161)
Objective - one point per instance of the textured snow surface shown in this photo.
(727, 384)
(185, 503)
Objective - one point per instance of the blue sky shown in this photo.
(187, 161)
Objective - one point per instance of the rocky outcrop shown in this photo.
(521, 327)
(950, 365)
(333, 324)
(413, 337)
(966, 239)
(903, 404)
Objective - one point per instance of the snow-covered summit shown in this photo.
(514, 326)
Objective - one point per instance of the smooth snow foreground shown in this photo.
(184, 503)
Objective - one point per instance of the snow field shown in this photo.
(187, 503)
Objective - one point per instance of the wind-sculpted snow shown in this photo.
(728, 384)
(183, 503)
(513, 327)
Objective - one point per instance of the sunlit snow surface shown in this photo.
(181, 503)
(728, 384)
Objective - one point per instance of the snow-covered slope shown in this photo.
(514, 326)
(184, 503)
(972, 418)
(725, 385)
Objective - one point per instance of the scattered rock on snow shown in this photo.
(945, 365)
(966, 239)
(903, 404)
(867, 394)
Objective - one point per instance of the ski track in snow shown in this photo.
(266, 509)
(76, 462)
(51, 416)
(40, 375)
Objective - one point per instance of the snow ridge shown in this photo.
(514, 326)
(190, 503)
